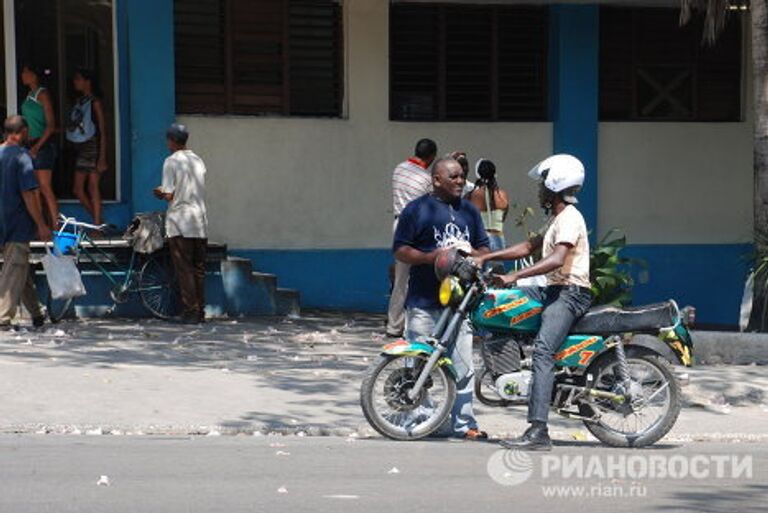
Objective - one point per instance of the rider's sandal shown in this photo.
(476, 434)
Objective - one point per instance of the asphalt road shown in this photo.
(41, 474)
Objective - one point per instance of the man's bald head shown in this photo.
(14, 125)
(448, 179)
(442, 164)
(15, 129)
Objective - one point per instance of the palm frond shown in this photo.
(715, 14)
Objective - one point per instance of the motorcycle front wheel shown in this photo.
(653, 407)
(385, 403)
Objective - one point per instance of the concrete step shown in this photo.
(98, 301)
(232, 288)
(288, 302)
(251, 292)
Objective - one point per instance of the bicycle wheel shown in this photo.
(159, 288)
(57, 308)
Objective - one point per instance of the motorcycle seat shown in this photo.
(641, 319)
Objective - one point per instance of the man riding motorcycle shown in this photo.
(566, 298)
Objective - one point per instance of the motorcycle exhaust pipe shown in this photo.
(601, 394)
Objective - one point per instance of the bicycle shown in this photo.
(154, 282)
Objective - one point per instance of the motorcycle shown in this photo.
(622, 387)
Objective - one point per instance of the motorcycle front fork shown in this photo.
(446, 337)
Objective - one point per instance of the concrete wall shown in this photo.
(676, 183)
(680, 183)
(288, 183)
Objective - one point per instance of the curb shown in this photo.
(730, 348)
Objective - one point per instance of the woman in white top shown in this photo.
(492, 201)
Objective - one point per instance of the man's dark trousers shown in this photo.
(188, 255)
(563, 306)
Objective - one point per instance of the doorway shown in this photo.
(59, 37)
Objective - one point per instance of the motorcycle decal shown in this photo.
(585, 356)
(571, 350)
(394, 345)
(683, 351)
(525, 316)
(493, 312)
(403, 347)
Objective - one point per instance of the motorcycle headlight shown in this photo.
(450, 291)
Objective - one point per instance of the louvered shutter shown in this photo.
(414, 42)
(468, 63)
(653, 69)
(315, 58)
(719, 76)
(259, 57)
(469, 53)
(523, 43)
(200, 57)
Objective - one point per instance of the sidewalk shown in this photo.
(297, 376)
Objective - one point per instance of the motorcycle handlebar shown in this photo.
(467, 270)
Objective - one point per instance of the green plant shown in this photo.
(521, 217)
(611, 272)
(758, 314)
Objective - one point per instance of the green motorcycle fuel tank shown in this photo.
(511, 312)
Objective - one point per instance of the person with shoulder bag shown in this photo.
(87, 131)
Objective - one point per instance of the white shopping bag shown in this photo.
(746, 302)
(64, 279)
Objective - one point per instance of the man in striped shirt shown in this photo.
(410, 180)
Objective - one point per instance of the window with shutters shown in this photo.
(265, 57)
(652, 69)
(457, 62)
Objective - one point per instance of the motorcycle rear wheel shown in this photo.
(668, 393)
(387, 409)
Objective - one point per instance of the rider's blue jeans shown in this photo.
(563, 306)
(420, 323)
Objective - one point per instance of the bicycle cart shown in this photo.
(150, 276)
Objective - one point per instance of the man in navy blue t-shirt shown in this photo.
(21, 218)
(432, 223)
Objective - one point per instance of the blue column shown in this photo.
(574, 90)
(152, 94)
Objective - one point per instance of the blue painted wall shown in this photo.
(347, 279)
(573, 83)
(708, 276)
(152, 94)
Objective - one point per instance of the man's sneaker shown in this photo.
(37, 322)
(535, 438)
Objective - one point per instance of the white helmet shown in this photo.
(561, 173)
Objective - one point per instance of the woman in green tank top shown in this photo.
(37, 109)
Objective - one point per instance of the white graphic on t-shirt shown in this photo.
(451, 236)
